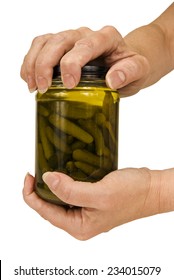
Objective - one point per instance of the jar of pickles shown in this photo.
(76, 130)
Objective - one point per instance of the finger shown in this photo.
(56, 46)
(131, 71)
(29, 195)
(96, 44)
(69, 220)
(82, 194)
(28, 67)
(52, 213)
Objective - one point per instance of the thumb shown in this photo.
(127, 71)
(82, 194)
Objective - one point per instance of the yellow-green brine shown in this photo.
(76, 130)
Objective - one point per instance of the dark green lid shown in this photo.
(86, 71)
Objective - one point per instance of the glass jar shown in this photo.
(76, 130)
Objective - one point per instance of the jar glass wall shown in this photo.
(76, 132)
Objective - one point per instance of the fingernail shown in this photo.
(68, 81)
(32, 90)
(115, 79)
(51, 179)
(42, 90)
(42, 84)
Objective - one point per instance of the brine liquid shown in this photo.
(77, 135)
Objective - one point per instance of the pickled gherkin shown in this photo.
(70, 128)
(76, 133)
(94, 130)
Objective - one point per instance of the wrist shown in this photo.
(167, 190)
(165, 23)
(162, 190)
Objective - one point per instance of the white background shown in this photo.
(146, 139)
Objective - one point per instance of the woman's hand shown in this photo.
(120, 197)
(74, 48)
(136, 61)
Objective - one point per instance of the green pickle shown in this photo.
(76, 133)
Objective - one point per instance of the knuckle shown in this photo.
(69, 35)
(40, 65)
(66, 61)
(84, 30)
(37, 40)
(82, 237)
(112, 33)
(86, 43)
(88, 227)
(28, 65)
(41, 211)
(109, 29)
(22, 73)
(84, 234)
(57, 37)
(40, 39)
